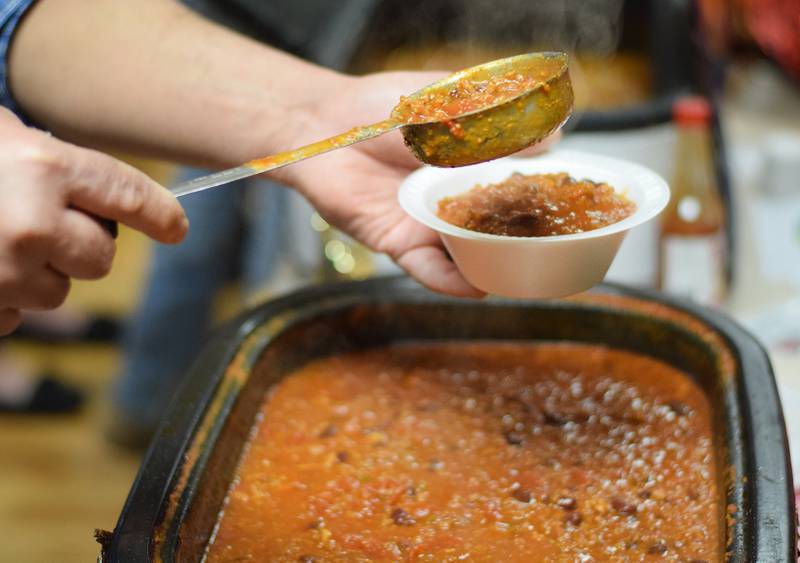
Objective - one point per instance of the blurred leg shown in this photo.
(173, 318)
(266, 209)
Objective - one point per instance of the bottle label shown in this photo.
(693, 267)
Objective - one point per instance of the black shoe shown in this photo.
(50, 397)
(99, 330)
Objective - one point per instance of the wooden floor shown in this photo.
(59, 478)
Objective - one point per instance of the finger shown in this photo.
(44, 290)
(83, 249)
(112, 189)
(8, 119)
(431, 267)
(9, 321)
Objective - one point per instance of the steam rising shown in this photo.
(571, 25)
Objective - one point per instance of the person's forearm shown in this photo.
(153, 77)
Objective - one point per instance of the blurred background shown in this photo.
(705, 92)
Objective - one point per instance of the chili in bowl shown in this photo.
(538, 227)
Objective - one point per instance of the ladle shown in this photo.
(510, 121)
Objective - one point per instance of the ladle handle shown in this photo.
(279, 160)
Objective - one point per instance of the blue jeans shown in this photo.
(234, 230)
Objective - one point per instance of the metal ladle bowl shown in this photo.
(502, 129)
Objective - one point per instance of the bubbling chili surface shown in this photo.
(536, 205)
(477, 452)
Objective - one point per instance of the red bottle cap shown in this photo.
(691, 110)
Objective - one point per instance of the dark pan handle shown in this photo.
(647, 114)
(111, 226)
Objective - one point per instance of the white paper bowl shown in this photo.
(534, 267)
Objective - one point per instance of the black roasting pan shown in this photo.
(174, 502)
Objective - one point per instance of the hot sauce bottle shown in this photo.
(692, 242)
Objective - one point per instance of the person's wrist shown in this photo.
(310, 120)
